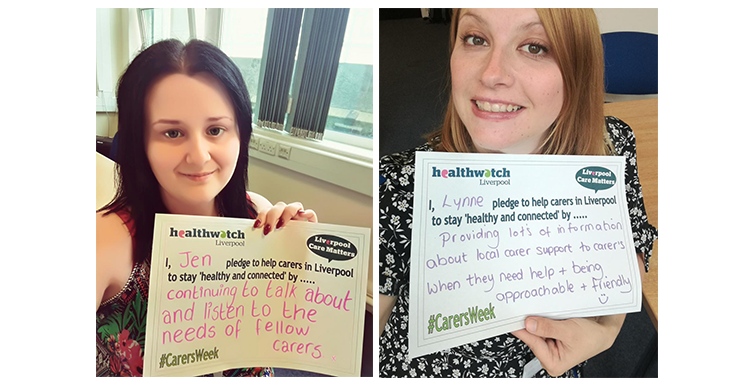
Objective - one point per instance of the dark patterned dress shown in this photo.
(500, 356)
(121, 328)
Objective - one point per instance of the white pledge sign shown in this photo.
(497, 238)
(223, 296)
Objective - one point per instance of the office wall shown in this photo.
(628, 19)
(106, 124)
(332, 203)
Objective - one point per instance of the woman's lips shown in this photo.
(198, 177)
(495, 115)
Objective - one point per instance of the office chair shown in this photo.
(630, 63)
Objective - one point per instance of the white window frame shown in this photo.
(105, 83)
(328, 135)
(166, 27)
(341, 159)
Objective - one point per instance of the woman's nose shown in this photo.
(198, 151)
(497, 69)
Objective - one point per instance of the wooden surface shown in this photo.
(643, 118)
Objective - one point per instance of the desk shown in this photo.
(643, 118)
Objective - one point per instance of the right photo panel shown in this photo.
(517, 224)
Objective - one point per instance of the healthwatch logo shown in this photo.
(204, 233)
(467, 172)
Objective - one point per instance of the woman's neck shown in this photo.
(175, 206)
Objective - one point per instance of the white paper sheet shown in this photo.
(497, 238)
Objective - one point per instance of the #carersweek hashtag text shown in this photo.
(473, 315)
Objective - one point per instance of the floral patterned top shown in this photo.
(500, 356)
(121, 328)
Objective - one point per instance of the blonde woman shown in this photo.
(523, 81)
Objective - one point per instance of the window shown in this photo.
(350, 114)
(165, 23)
(150, 31)
(242, 37)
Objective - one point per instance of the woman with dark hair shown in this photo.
(184, 123)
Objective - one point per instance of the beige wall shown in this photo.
(106, 124)
(118, 18)
(116, 48)
(627, 19)
(332, 203)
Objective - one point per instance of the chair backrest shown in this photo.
(105, 180)
(113, 150)
(630, 63)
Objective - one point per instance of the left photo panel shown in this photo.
(234, 192)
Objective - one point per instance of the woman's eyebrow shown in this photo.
(476, 17)
(177, 122)
(530, 25)
(523, 27)
(167, 121)
(214, 119)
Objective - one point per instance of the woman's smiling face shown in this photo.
(192, 139)
(506, 85)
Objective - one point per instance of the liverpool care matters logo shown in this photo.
(332, 247)
(596, 178)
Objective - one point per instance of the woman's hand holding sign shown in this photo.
(276, 216)
(561, 344)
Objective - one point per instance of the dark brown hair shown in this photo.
(138, 191)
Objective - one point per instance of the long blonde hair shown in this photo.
(577, 46)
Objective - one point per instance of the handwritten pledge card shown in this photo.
(497, 238)
(223, 296)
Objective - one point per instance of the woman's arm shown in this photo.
(396, 207)
(385, 308)
(641, 266)
(562, 344)
(644, 234)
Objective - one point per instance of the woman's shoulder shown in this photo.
(114, 253)
(260, 202)
(620, 134)
(112, 229)
(398, 161)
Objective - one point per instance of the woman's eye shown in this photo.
(535, 49)
(475, 41)
(214, 131)
(173, 134)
